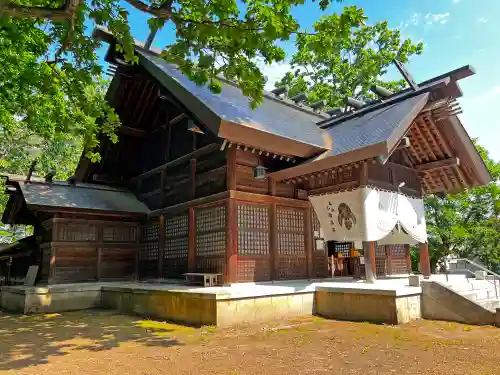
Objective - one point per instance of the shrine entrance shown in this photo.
(344, 259)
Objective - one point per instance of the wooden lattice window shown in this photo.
(176, 237)
(343, 248)
(211, 244)
(176, 226)
(215, 265)
(253, 229)
(254, 269)
(211, 231)
(290, 220)
(77, 232)
(149, 251)
(119, 234)
(150, 231)
(253, 216)
(398, 251)
(380, 251)
(176, 248)
(210, 219)
(291, 240)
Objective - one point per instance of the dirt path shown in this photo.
(104, 343)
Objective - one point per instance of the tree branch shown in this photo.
(52, 14)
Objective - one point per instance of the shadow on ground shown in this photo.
(27, 340)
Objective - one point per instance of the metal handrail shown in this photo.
(495, 275)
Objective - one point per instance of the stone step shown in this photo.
(489, 304)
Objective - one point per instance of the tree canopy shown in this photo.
(338, 61)
(467, 224)
(50, 78)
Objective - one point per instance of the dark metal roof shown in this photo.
(273, 116)
(371, 134)
(64, 195)
(376, 126)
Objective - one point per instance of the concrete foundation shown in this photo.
(28, 300)
(375, 305)
(206, 308)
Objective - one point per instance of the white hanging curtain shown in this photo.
(368, 214)
(340, 215)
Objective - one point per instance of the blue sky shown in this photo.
(454, 32)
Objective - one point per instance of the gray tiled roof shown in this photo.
(273, 115)
(374, 127)
(81, 197)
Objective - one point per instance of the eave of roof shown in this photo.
(61, 195)
(274, 126)
(369, 135)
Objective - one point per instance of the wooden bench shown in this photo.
(205, 279)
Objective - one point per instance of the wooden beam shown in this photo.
(132, 131)
(405, 143)
(183, 159)
(107, 179)
(195, 202)
(261, 198)
(177, 119)
(438, 164)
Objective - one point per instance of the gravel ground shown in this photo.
(106, 343)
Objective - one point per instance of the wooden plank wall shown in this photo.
(245, 162)
(89, 250)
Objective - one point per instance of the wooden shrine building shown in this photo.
(200, 182)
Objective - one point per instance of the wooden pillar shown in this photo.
(231, 275)
(273, 242)
(369, 255)
(162, 187)
(137, 252)
(99, 264)
(408, 259)
(52, 266)
(425, 261)
(388, 256)
(191, 240)
(193, 179)
(231, 169)
(308, 235)
(161, 246)
(99, 252)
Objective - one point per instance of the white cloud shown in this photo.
(441, 18)
(414, 20)
(456, 1)
(273, 72)
(482, 20)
